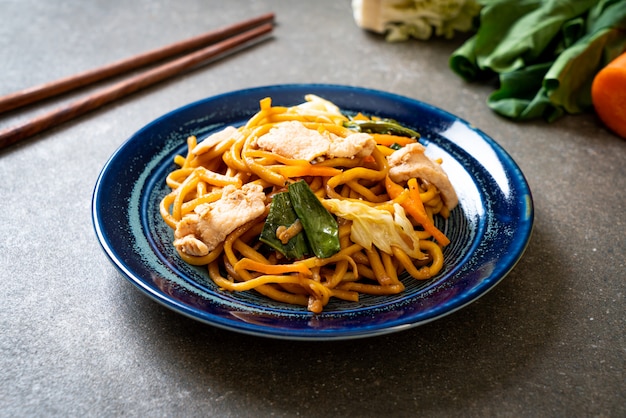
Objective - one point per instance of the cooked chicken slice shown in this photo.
(191, 245)
(294, 140)
(214, 221)
(410, 161)
(354, 145)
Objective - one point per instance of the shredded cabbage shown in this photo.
(403, 19)
(318, 108)
(371, 226)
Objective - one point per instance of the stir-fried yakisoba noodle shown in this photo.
(305, 203)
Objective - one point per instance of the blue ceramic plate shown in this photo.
(489, 230)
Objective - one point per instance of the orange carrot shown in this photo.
(307, 170)
(360, 116)
(388, 140)
(265, 103)
(608, 93)
(414, 207)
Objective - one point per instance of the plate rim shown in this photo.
(290, 334)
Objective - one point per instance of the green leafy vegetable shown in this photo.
(320, 227)
(545, 53)
(282, 214)
(381, 126)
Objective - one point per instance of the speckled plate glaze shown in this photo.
(489, 230)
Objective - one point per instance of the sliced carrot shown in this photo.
(360, 116)
(414, 207)
(388, 140)
(369, 160)
(265, 103)
(309, 170)
(608, 93)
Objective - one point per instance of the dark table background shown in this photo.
(79, 340)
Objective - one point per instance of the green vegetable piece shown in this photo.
(319, 225)
(282, 214)
(383, 126)
(544, 52)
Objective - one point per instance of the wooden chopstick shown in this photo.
(79, 107)
(33, 94)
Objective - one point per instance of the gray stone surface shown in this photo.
(78, 340)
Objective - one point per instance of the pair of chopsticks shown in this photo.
(220, 42)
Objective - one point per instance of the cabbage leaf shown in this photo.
(371, 226)
(401, 20)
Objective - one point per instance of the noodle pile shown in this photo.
(384, 227)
